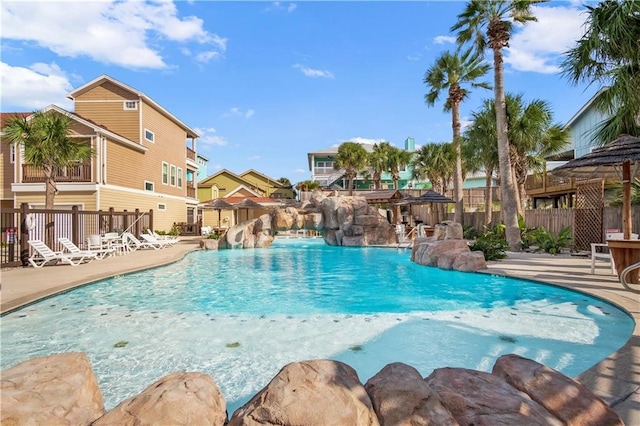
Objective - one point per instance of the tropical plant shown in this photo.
(434, 162)
(608, 54)
(452, 72)
(44, 136)
(352, 157)
(489, 23)
(397, 159)
(616, 196)
(285, 182)
(378, 161)
(548, 243)
(491, 243)
(527, 234)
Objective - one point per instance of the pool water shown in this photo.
(241, 315)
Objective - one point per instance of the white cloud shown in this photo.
(416, 57)
(35, 87)
(237, 112)
(539, 46)
(441, 39)
(277, 5)
(208, 137)
(314, 73)
(205, 57)
(300, 171)
(111, 32)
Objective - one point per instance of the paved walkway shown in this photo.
(616, 378)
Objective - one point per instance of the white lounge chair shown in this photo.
(72, 248)
(44, 255)
(152, 240)
(133, 243)
(169, 238)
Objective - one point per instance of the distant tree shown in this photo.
(452, 72)
(609, 54)
(285, 181)
(352, 157)
(397, 159)
(378, 161)
(436, 163)
(489, 23)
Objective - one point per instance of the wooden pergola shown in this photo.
(389, 196)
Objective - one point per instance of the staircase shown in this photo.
(333, 177)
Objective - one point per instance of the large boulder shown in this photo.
(317, 392)
(401, 397)
(53, 390)
(176, 399)
(431, 251)
(483, 399)
(282, 219)
(566, 398)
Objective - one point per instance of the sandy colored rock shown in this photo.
(316, 392)
(483, 399)
(469, 261)
(566, 398)
(401, 397)
(176, 399)
(53, 390)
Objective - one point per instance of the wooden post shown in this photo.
(626, 200)
(24, 234)
(137, 222)
(75, 229)
(110, 219)
(151, 219)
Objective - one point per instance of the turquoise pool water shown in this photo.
(240, 315)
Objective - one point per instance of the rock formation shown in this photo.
(62, 389)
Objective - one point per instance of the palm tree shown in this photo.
(480, 151)
(397, 159)
(352, 157)
(378, 160)
(45, 139)
(489, 23)
(608, 54)
(434, 162)
(306, 186)
(285, 181)
(451, 72)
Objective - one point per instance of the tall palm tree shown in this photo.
(352, 157)
(489, 23)
(378, 160)
(397, 159)
(480, 151)
(451, 72)
(45, 139)
(608, 54)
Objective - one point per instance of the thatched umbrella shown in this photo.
(218, 204)
(607, 161)
(430, 197)
(247, 204)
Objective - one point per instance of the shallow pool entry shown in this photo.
(240, 315)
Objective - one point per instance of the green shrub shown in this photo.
(493, 245)
(527, 235)
(548, 243)
(469, 232)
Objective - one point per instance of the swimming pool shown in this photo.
(240, 315)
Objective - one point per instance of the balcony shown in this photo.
(75, 173)
(548, 184)
(191, 154)
(191, 190)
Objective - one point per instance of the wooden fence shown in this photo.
(20, 225)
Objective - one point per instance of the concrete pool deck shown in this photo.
(616, 378)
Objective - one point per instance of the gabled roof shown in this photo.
(221, 172)
(98, 81)
(96, 128)
(584, 108)
(240, 188)
(266, 178)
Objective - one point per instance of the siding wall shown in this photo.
(582, 131)
(6, 171)
(84, 200)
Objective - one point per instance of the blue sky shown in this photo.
(267, 82)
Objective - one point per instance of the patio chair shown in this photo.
(168, 238)
(133, 243)
(72, 248)
(606, 256)
(152, 240)
(44, 255)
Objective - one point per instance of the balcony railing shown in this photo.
(191, 154)
(74, 173)
(191, 190)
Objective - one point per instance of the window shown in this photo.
(173, 175)
(162, 206)
(149, 135)
(165, 173)
(130, 105)
(12, 154)
(148, 186)
(179, 177)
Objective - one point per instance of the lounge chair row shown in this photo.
(96, 248)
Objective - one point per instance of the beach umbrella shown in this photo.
(218, 204)
(430, 197)
(615, 159)
(247, 204)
